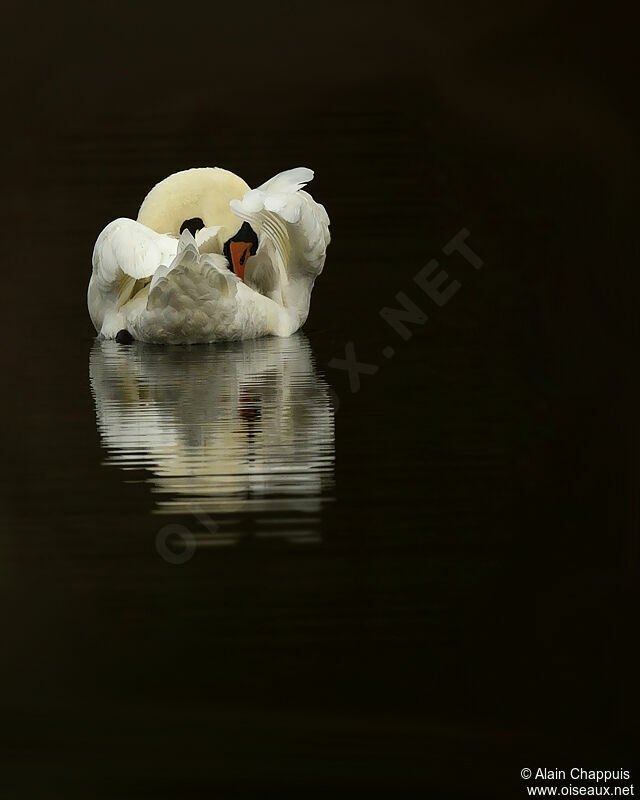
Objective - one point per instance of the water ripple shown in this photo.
(239, 432)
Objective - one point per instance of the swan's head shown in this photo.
(198, 199)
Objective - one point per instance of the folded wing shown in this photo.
(293, 228)
(125, 257)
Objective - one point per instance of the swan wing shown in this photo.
(293, 227)
(125, 256)
(130, 248)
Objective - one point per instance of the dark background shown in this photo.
(472, 608)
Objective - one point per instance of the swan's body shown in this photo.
(164, 286)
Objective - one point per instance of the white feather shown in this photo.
(207, 238)
(129, 247)
(294, 234)
(288, 181)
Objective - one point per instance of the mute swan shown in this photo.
(209, 259)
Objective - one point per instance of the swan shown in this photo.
(210, 259)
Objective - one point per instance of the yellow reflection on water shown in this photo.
(241, 432)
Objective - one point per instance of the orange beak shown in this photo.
(240, 252)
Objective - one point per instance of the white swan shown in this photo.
(209, 259)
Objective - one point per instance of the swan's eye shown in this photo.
(193, 225)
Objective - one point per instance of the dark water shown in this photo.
(244, 567)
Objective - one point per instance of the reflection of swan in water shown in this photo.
(241, 431)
